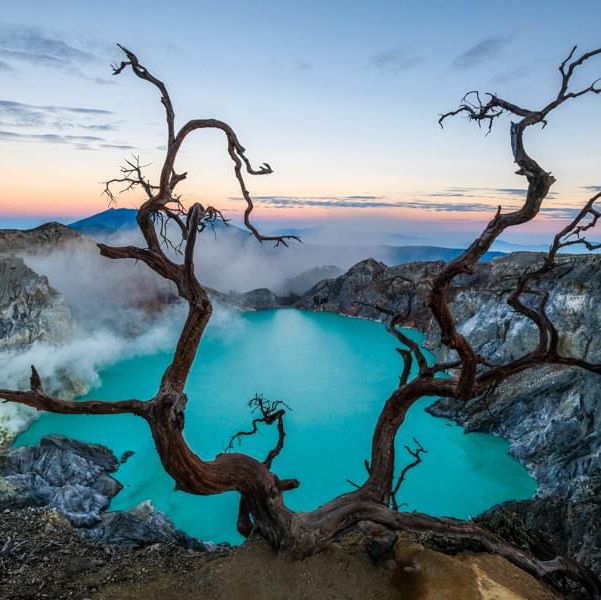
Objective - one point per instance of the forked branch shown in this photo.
(416, 453)
(262, 507)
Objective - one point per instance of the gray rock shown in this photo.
(551, 416)
(572, 527)
(75, 479)
(30, 310)
(370, 283)
(70, 476)
(140, 526)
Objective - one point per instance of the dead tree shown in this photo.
(262, 508)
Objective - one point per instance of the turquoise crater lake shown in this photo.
(335, 373)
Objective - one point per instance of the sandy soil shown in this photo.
(41, 557)
(342, 572)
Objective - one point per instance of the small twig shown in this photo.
(417, 459)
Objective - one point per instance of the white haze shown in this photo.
(122, 310)
(230, 259)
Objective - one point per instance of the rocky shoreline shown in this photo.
(551, 417)
(76, 480)
(58, 541)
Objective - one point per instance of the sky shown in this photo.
(341, 98)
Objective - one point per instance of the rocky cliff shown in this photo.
(76, 480)
(371, 283)
(57, 539)
(551, 416)
(31, 312)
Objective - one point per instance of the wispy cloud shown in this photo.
(303, 65)
(18, 114)
(482, 52)
(6, 68)
(81, 142)
(38, 47)
(53, 138)
(361, 201)
(592, 188)
(380, 202)
(395, 59)
(513, 75)
(118, 146)
(494, 193)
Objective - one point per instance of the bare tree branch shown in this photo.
(417, 459)
(262, 508)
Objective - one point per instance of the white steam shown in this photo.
(122, 309)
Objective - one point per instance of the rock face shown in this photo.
(304, 281)
(551, 416)
(370, 283)
(76, 480)
(70, 476)
(259, 299)
(30, 310)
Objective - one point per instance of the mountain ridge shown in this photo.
(118, 220)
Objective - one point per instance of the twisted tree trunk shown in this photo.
(262, 507)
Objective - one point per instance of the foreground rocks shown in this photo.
(75, 480)
(42, 557)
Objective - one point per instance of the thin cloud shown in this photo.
(39, 114)
(509, 76)
(592, 188)
(6, 68)
(18, 115)
(35, 46)
(303, 65)
(378, 202)
(362, 202)
(482, 52)
(487, 192)
(118, 146)
(80, 142)
(395, 59)
(53, 138)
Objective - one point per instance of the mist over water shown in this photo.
(335, 373)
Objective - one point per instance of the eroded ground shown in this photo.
(41, 557)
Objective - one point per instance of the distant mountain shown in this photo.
(511, 247)
(298, 260)
(396, 255)
(118, 220)
(107, 223)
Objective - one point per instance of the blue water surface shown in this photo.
(335, 373)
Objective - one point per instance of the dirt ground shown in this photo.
(342, 572)
(41, 557)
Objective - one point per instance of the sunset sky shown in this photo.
(340, 97)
